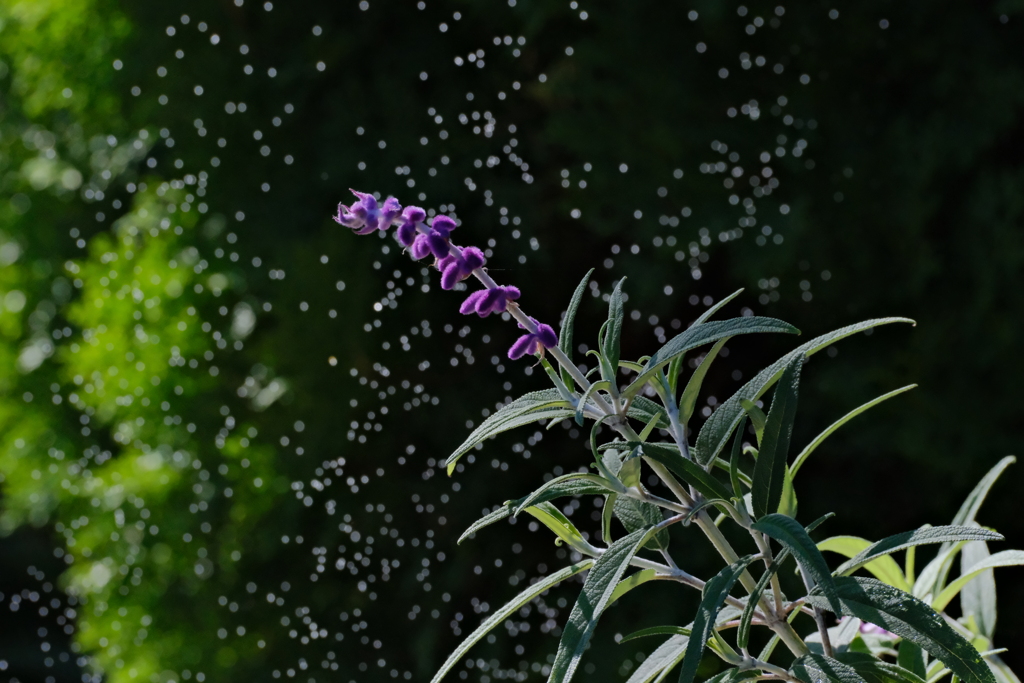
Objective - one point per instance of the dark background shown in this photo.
(886, 145)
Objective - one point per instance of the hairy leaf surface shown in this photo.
(874, 670)
(715, 432)
(529, 408)
(795, 539)
(593, 599)
(660, 662)
(883, 567)
(715, 592)
(1006, 558)
(819, 668)
(902, 541)
(770, 469)
(565, 331)
(569, 487)
(508, 610)
(698, 335)
(911, 619)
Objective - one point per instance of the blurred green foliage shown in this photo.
(152, 375)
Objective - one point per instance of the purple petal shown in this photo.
(521, 347)
(511, 293)
(406, 233)
(472, 302)
(367, 200)
(473, 258)
(450, 276)
(391, 210)
(493, 301)
(443, 225)
(414, 214)
(419, 247)
(438, 244)
(546, 336)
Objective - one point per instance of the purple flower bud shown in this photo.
(406, 232)
(457, 268)
(533, 342)
(419, 248)
(875, 629)
(442, 225)
(366, 215)
(483, 302)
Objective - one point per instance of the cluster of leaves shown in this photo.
(896, 615)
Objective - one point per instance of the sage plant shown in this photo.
(844, 626)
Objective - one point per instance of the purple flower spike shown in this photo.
(406, 232)
(366, 215)
(534, 342)
(483, 302)
(457, 268)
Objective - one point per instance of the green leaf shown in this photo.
(969, 510)
(1002, 672)
(687, 470)
(532, 407)
(907, 539)
(607, 513)
(582, 404)
(734, 465)
(757, 418)
(631, 582)
(818, 440)
(569, 487)
(660, 662)
(911, 658)
(656, 631)
(644, 409)
(788, 502)
(699, 335)
(688, 401)
(593, 599)
(508, 610)
(613, 333)
(978, 597)
(770, 469)
(629, 474)
(743, 633)
(674, 368)
(636, 515)
(883, 567)
(565, 331)
(715, 592)
(703, 318)
(819, 668)
(874, 670)
(933, 577)
(551, 517)
(911, 619)
(651, 425)
(795, 539)
(716, 430)
(734, 676)
(1006, 558)
(556, 484)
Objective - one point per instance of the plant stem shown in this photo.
(819, 618)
